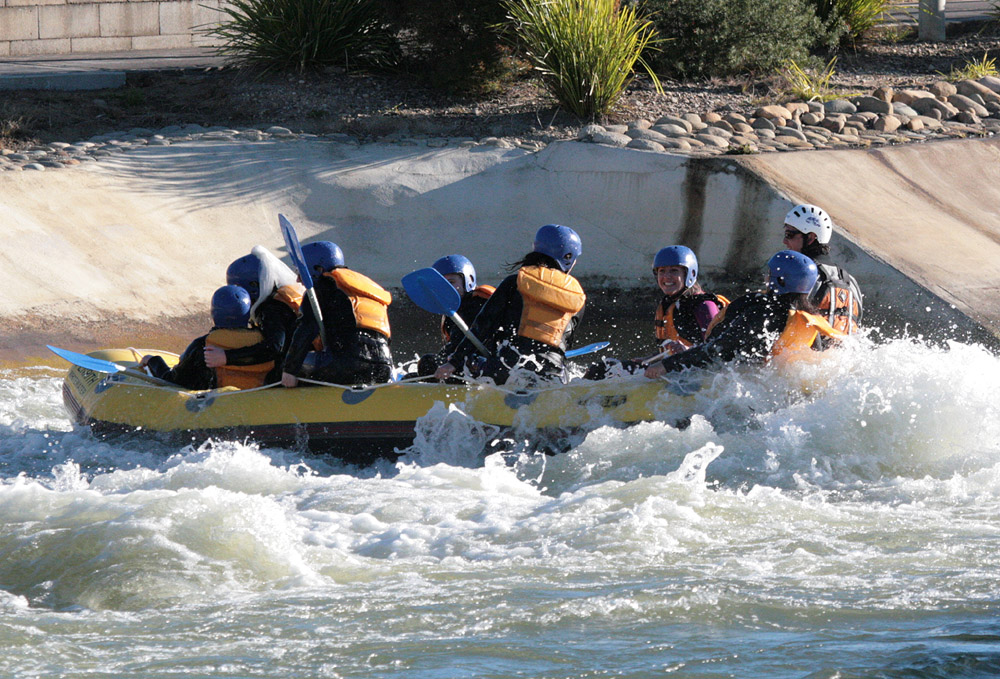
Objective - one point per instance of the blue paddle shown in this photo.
(295, 251)
(589, 349)
(102, 366)
(432, 292)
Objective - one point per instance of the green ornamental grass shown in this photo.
(585, 50)
(280, 35)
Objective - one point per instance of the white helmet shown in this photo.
(811, 219)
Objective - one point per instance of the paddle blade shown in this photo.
(432, 292)
(589, 349)
(295, 251)
(84, 361)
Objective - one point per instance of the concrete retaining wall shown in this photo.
(34, 27)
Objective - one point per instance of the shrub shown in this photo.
(730, 37)
(275, 35)
(585, 50)
(449, 44)
(852, 18)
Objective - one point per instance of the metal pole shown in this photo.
(931, 20)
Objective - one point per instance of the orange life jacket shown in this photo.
(550, 298)
(369, 300)
(482, 292)
(801, 330)
(239, 376)
(664, 323)
(290, 295)
(838, 297)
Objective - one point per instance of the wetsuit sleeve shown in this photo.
(191, 371)
(276, 320)
(751, 325)
(301, 343)
(468, 311)
(491, 322)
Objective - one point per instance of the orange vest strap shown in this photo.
(484, 291)
(291, 295)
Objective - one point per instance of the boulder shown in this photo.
(671, 130)
(722, 125)
(991, 81)
(712, 140)
(797, 108)
(914, 124)
(832, 123)
(899, 108)
(811, 118)
(649, 135)
(884, 93)
(645, 145)
(762, 124)
(640, 124)
(611, 139)
(711, 117)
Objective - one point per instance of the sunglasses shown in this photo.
(792, 233)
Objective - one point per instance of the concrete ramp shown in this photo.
(930, 211)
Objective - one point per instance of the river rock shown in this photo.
(887, 124)
(676, 121)
(646, 134)
(645, 145)
(677, 144)
(640, 124)
(840, 106)
(773, 112)
(964, 103)
(914, 124)
(970, 88)
(899, 108)
(909, 96)
(672, 130)
(762, 124)
(927, 106)
(590, 130)
(943, 89)
(968, 118)
(612, 139)
(867, 104)
(712, 139)
(990, 81)
(833, 123)
(714, 131)
(884, 93)
(811, 118)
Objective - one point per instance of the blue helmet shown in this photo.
(245, 272)
(322, 256)
(561, 243)
(678, 255)
(460, 265)
(791, 271)
(230, 307)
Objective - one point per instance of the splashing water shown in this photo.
(824, 520)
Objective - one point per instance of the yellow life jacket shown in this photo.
(239, 376)
(801, 330)
(664, 324)
(369, 300)
(291, 295)
(551, 298)
(482, 292)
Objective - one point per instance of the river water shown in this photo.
(826, 522)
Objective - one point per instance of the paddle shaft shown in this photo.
(468, 333)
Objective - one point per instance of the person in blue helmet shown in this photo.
(276, 297)
(761, 325)
(353, 346)
(459, 271)
(231, 329)
(528, 323)
(682, 316)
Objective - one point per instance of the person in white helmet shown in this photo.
(837, 295)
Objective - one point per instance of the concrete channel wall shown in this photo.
(36, 27)
(134, 245)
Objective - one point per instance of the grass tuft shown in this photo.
(585, 50)
(973, 70)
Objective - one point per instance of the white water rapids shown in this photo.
(841, 521)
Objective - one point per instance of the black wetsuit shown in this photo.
(469, 308)
(751, 325)
(190, 371)
(351, 355)
(496, 327)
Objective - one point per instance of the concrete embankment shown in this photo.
(132, 247)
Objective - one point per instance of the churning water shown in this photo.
(840, 521)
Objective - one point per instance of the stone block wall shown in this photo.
(35, 27)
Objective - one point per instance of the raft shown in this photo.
(356, 425)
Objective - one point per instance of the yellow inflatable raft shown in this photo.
(356, 425)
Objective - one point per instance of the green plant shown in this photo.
(717, 38)
(973, 70)
(275, 35)
(856, 17)
(807, 84)
(585, 50)
(451, 45)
